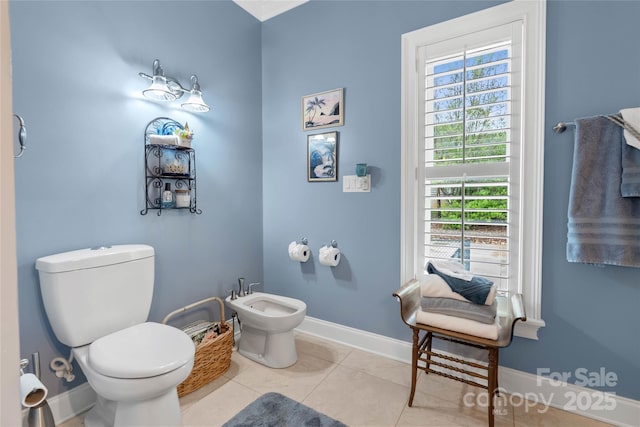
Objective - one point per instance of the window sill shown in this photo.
(529, 329)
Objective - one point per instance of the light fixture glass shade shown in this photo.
(195, 102)
(159, 90)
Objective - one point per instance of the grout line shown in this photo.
(306, 398)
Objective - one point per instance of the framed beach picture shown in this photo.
(322, 157)
(324, 109)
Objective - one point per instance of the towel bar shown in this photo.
(562, 126)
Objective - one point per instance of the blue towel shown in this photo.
(603, 226)
(475, 290)
(630, 184)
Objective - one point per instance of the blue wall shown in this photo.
(591, 312)
(80, 183)
(316, 47)
(591, 69)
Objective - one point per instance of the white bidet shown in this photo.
(267, 327)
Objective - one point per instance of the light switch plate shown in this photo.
(356, 184)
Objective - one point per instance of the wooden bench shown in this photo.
(424, 356)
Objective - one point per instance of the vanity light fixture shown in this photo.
(169, 89)
(195, 102)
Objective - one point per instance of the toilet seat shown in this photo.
(141, 351)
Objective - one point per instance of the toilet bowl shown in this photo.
(267, 327)
(135, 373)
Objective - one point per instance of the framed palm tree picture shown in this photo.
(324, 109)
(322, 157)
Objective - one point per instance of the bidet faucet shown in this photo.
(241, 292)
(251, 285)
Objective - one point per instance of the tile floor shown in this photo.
(355, 387)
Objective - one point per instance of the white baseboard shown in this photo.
(368, 341)
(591, 403)
(617, 410)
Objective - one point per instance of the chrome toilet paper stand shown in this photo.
(38, 416)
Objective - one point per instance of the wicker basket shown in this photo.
(213, 356)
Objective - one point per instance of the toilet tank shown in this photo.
(90, 293)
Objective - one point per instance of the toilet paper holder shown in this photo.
(332, 244)
(23, 364)
(299, 250)
(34, 391)
(330, 254)
(39, 414)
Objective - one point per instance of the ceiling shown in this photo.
(266, 9)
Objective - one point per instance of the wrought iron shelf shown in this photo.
(164, 164)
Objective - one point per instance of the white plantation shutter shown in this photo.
(470, 147)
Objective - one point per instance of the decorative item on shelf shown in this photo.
(167, 197)
(169, 89)
(169, 127)
(183, 198)
(175, 162)
(185, 135)
(169, 132)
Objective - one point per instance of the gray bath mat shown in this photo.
(276, 410)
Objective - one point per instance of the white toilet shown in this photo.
(267, 327)
(97, 301)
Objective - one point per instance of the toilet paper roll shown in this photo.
(299, 252)
(292, 250)
(32, 391)
(329, 256)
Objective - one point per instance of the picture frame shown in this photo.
(322, 157)
(323, 109)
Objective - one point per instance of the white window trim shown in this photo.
(533, 14)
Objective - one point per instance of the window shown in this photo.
(468, 187)
(473, 100)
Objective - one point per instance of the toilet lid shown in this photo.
(141, 351)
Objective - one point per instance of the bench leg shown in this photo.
(429, 341)
(492, 382)
(414, 364)
(496, 373)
